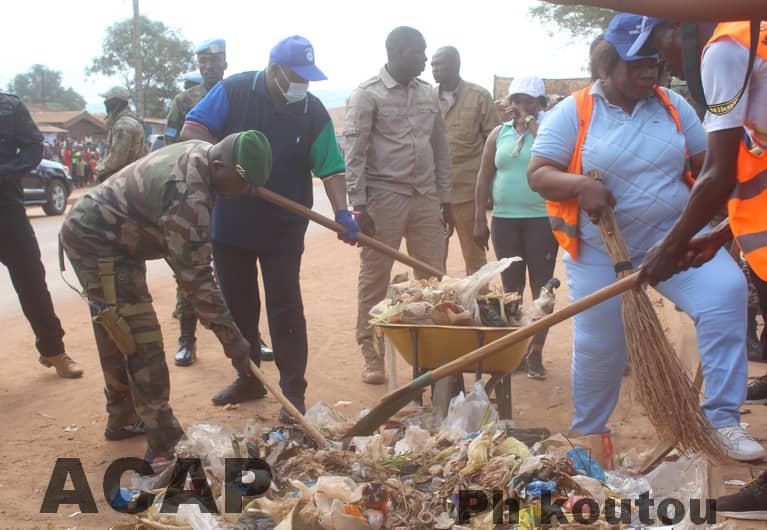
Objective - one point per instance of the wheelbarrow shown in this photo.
(425, 347)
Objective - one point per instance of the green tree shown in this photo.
(580, 22)
(42, 86)
(166, 55)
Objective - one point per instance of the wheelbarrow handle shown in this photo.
(457, 366)
(363, 239)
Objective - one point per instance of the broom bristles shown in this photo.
(661, 383)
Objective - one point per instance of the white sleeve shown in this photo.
(723, 69)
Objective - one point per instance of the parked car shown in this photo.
(156, 141)
(48, 186)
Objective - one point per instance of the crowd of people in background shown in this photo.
(80, 158)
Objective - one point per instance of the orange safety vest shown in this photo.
(747, 206)
(563, 215)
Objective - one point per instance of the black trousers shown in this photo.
(21, 254)
(530, 239)
(237, 275)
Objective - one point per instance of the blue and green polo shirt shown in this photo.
(303, 145)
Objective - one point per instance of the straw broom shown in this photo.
(661, 383)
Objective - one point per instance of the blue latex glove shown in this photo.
(345, 218)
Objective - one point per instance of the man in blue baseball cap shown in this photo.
(249, 233)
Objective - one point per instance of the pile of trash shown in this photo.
(417, 472)
(460, 301)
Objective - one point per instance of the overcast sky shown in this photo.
(348, 36)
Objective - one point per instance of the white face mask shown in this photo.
(295, 92)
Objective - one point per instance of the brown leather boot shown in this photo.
(373, 372)
(65, 366)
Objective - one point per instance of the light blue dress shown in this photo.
(641, 157)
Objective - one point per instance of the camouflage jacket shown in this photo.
(159, 207)
(179, 108)
(125, 142)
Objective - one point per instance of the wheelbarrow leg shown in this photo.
(416, 360)
(503, 397)
(500, 383)
(391, 363)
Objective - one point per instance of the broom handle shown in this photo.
(457, 365)
(364, 239)
(285, 402)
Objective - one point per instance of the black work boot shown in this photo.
(187, 343)
(245, 388)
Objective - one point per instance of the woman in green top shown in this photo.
(520, 224)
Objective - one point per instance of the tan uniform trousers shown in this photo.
(473, 255)
(414, 217)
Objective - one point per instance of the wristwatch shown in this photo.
(529, 119)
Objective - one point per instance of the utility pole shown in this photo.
(138, 60)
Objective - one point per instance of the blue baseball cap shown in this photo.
(211, 46)
(642, 44)
(622, 31)
(297, 54)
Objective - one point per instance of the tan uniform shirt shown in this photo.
(469, 119)
(395, 140)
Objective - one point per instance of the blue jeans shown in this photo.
(714, 296)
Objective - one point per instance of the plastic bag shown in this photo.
(537, 488)
(198, 520)
(468, 414)
(326, 417)
(416, 440)
(211, 443)
(371, 446)
(685, 479)
(583, 462)
(468, 288)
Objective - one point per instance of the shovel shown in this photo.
(396, 399)
(363, 239)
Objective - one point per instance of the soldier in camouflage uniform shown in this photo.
(157, 207)
(125, 139)
(211, 59)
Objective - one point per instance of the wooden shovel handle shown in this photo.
(457, 366)
(303, 211)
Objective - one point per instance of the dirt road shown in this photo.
(45, 417)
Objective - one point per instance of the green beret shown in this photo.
(253, 157)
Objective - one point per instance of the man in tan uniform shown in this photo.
(397, 175)
(125, 139)
(470, 115)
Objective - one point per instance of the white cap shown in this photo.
(527, 84)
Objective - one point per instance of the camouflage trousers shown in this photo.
(183, 307)
(137, 386)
